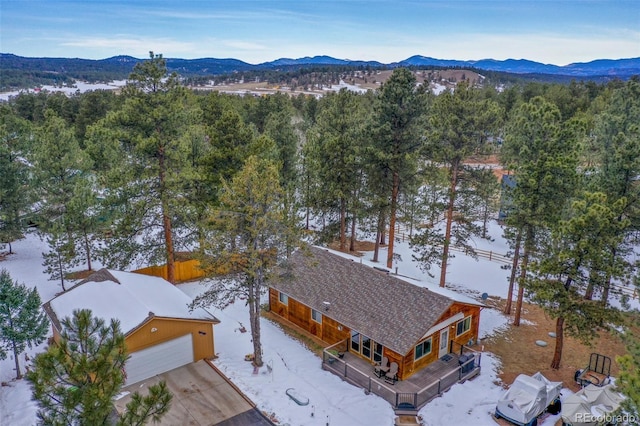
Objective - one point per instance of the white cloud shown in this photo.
(134, 46)
(243, 45)
(255, 15)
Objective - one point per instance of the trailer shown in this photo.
(527, 398)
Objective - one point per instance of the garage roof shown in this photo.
(126, 296)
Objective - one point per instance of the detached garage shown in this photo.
(161, 333)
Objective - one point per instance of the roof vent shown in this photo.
(385, 271)
(326, 305)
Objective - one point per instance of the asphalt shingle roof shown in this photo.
(392, 312)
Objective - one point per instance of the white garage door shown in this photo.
(159, 358)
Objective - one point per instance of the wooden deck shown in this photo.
(418, 381)
(410, 394)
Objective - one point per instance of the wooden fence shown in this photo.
(185, 270)
(402, 235)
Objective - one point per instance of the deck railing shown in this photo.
(405, 402)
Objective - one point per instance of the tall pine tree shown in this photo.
(617, 169)
(396, 139)
(62, 173)
(15, 189)
(22, 321)
(249, 237)
(541, 152)
(334, 156)
(151, 135)
(460, 123)
(578, 252)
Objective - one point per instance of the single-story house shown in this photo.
(378, 315)
(161, 333)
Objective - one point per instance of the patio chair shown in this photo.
(391, 376)
(381, 367)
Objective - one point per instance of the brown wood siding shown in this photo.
(315, 327)
(466, 310)
(168, 329)
(410, 366)
(185, 270)
(300, 315)
(276, 306)
(413, 365)
(330, 332)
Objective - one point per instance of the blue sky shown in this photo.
(557, 32)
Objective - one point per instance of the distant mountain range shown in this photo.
(621, 68)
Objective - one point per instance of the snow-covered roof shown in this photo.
(126, 296)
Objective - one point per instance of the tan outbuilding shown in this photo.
(161, 332)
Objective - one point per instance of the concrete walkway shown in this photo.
(202, 396)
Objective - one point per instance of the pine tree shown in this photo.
(396, 140)
(459, 125)
(58, 164)
(148, 141)
(83, 215)
(76, 380)
(334, 156)
(541, 152)
(61, 258)
(229, 139)
(486, 189)
(249, 237)
(617, 167)
(285, 130)
(62, 175)
(578, 254)
(15, 191)
(22, 322)
(628, 381)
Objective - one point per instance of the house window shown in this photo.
(366, 347)
(284, 299)
(355, 341)
(423, 349)
(377, 352)
(316, 316)
(463, 326)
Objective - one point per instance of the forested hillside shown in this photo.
(17, 72)
(138, 177)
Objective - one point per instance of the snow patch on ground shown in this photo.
(349, 87)
(289, 364)
(78, 87)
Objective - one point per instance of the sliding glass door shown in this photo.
(365, 346)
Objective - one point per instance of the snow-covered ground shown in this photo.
(83, 86)
(350, 87)
(332, 401)
(79, 86)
